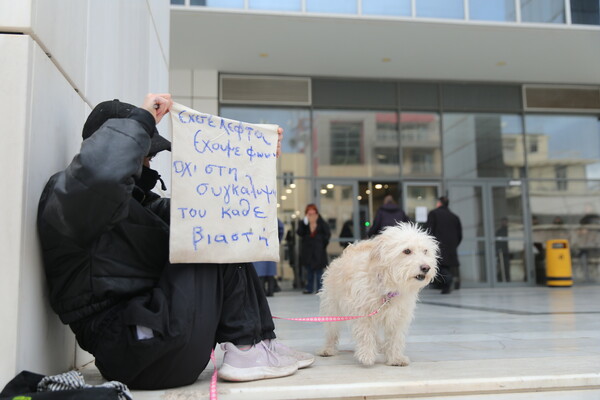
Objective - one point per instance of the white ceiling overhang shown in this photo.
(332, 46)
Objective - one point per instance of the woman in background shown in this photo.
(315, 234)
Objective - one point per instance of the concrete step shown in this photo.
(472, 379)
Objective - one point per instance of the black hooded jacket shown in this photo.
(99, 244)
(387, 215)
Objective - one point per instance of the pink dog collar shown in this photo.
(390, 295)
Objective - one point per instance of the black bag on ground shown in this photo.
(24, 387)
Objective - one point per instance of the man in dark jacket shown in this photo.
(389, 214)
(105, 243)
(445, 226)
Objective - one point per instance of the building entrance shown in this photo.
(338, 205)
(494, 247)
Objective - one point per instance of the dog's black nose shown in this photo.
(425, 268)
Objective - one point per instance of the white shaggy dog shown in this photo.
(393, 266)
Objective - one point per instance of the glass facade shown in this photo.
(450, 9)
(515, 178)
(482, 145)
(387, 7)
(545, 11)
(584, 12)
(218, 3)
(492, 10)
(279, 5)
(355, 143)
(421, 145)
(332, 6)
(563, 154)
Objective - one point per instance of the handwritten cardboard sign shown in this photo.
(224, 197)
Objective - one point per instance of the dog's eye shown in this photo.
(425, 251)
(407, 251)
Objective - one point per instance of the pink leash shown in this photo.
(386, 299)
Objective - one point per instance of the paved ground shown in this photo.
(478, 344)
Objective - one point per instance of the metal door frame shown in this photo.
(355, 205)
(489, 233)
(407, 184)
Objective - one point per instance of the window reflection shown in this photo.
(275, 5)
(453, 9)
(563, 152)
(492, 10)
(387, 7)
(421, 145)
(356, 143)
(573, 215)
(585, 12)
(563, 146)
(549, 11)
(332, 6)
(218, 3)
(483, 145)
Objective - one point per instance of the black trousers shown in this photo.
(192, 308)
(445, 277)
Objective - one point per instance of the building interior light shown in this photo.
(378, 186)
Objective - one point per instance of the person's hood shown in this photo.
(390, 207)
(118, 109)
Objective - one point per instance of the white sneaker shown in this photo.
(258, 362)
(304, 359)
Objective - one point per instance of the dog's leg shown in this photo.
(395, 341)
(365, 335)
(331, 341)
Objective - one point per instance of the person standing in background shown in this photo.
(315, 234)
(446, 227)
(389, 214)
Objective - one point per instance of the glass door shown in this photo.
(419, 199)
(338, 205)
(493, 250)
(467, 201)
(506, 217)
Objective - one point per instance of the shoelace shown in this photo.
(271, 354)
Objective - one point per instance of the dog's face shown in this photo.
(405, 255)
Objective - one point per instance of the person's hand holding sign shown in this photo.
(157, 104)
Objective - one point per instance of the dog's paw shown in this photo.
(365, 359)
(401, 361)
(327, 352)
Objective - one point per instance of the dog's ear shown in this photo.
(382, 253)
